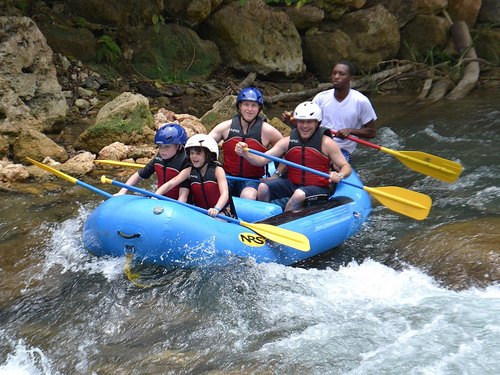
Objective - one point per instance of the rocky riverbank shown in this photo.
(78, 76)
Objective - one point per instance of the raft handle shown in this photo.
(128, 236)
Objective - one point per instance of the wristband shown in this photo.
(341, 175)
(217, 208)
(277, 173)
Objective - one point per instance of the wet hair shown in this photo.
(350, 66)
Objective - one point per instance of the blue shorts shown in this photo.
(237, 186)
(284, 188)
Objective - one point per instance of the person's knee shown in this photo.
(249, 193)
(263, 192)
(296, 200)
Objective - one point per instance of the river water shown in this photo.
(369, 307)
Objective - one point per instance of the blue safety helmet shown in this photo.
(171, 134)
(250, 94)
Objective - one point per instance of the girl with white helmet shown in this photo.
(309, 145)
(168, 162)
(206, 178)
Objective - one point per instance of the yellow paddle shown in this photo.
(69, 178)
(422, 162)
(284, 236)
(407, 202)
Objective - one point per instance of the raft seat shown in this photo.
(288, 216)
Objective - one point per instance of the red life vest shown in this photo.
(205, 191)
(168, 169)
(308, 154)
(236, 165)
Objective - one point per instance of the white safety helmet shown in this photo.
(204, 141)
(308, 111)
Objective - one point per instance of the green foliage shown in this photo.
(435, 55)
(115, 125)
(108, 50)
(157, 21)
(82, 22)
(22, 5)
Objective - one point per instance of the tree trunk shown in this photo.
(461, 34)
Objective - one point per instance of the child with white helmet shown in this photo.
(168, 162)
(309, 145)
(206, 178)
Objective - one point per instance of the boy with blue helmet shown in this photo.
(168, 162)
(250, 127)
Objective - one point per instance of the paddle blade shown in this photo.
(53, 171)
(406, 202)
(284, 236)
(430, 165)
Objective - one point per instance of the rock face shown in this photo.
(30, 96)
(175, 53)
(364, 37)
(256, 38)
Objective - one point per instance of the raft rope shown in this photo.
(133, 277)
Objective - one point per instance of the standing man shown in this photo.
(345, 110)
(247, 126)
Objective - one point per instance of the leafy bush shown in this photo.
(108, 50)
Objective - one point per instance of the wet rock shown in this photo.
(459, 255)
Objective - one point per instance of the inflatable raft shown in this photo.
(167, 233)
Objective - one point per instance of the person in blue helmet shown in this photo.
(168, 162)
(247, 126)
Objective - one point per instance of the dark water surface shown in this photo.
(363, 309)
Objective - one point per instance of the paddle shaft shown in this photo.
(94, 189)
(69, 178)
(136, 165)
